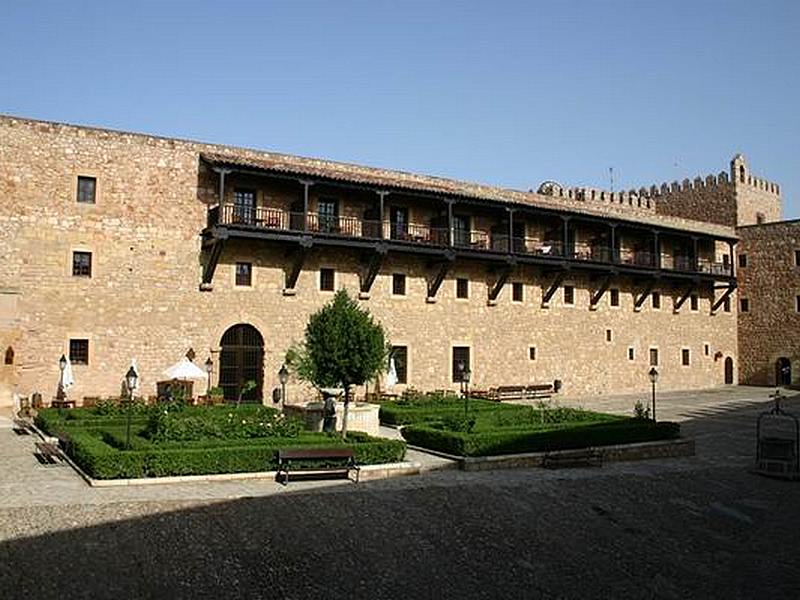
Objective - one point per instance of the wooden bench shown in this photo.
(50, 453)
(337, 460)
(539, 391)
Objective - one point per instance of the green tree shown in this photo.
(343, 347)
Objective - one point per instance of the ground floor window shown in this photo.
(79, 352)
(399, 355)
(460, 362)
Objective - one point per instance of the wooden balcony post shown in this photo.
(695, 256)
(613, 243)
(381, 197)
(449, 222)
(730, 253)
(510, 230)
(222, 173)
(306, 186)
(565, 237)
(657, 251)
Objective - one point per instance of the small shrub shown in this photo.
(641, 411)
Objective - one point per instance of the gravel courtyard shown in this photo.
(700, 527)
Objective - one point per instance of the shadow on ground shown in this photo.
(710, 531)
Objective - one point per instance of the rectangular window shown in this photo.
(693, 301)
(707, 349)
(87, 189)
(569, 294)
(82, 264)
(653, 357)
(656, 300)
(797, 258)
(244, 206)
(614, 296)
(532, 352)
(608, 335)
(685, 357)
(244, 274)
(631, 354)
(517, 291)
(742, 260)
(462, 288)
(328, 209)
(744, 305)
(79, 352)
(726, 305)
(797, 303)
(460, 362)
(399, 355)
(326, 280)
(399, 284)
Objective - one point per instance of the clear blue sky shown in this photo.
(508, 93)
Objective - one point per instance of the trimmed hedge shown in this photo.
(103, 461)
(559, 437)
(406, 413)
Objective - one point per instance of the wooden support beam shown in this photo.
(438, 271)
(646, 291)
(725, 295)
(370, 265)
(502, 277)
(686, 295)
(604, 285)
(297, 259)
(554, 285)
(212, 248)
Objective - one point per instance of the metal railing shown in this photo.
(416, 233)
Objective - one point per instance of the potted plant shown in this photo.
(216, 395)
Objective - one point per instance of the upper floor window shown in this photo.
(399, 284)
(685, 357)
(244, 206)
(462, 287)
(614, 296)
(569, 294)
(741, 173)
(399, 355)
(742, 260)
(656, 300)
(760, 218)
(244, 274)
(82, 264)
(517, 291)
(726, 304)
(744, 305)
(694, 302)
(653, 357)
(79, 352)
(9, 356)
(326, 280)
(797, 303)
(328, 210)
(532, 352)
(87, 189)
(631, 353)
(797, 258)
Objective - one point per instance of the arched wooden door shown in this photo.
(728, 371)
(783, 371)
(241, 360)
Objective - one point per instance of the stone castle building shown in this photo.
(119, 246)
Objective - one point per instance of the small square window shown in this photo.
(532, 352)
(569, 294)
(693, 301)
(742, 260)
(685, 357)
(744, 305)
(653, 357)
(517, 291)
(707, 349)
(244, 274)
(462, 288)
(656, 298)
(399, 284)
(87, 189)
(79, 352)
(614, 296)
(608, 335)
(399, 355)
(726, 305)
(631, 354)
(326, 280)
(82, 264)
(797, 258)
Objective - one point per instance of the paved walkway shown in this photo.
(722, 421)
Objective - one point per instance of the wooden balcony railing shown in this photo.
(416, 233)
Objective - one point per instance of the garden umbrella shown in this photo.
(391, 377)
(185, 369)
(67, 380)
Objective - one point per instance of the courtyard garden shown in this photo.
(485, 428)
(177, 439)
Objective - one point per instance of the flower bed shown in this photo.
(194, 441)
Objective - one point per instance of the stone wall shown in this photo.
(770, 282)
(143, 300)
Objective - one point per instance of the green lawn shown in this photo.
(492, 428)
(193, 440)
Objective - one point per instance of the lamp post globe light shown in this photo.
(130, 381)
(283, 377)
(653, 380)
(62, 364)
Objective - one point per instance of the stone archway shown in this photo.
(783, 371)
(728, 371)
(241, 360)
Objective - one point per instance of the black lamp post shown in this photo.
(130, 380)
(62, 364)
(466, 375)
(283, 377)
(653, 379)
(209, 370)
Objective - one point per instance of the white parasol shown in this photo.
(67, 380)
(391, 376)
(185, 369)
